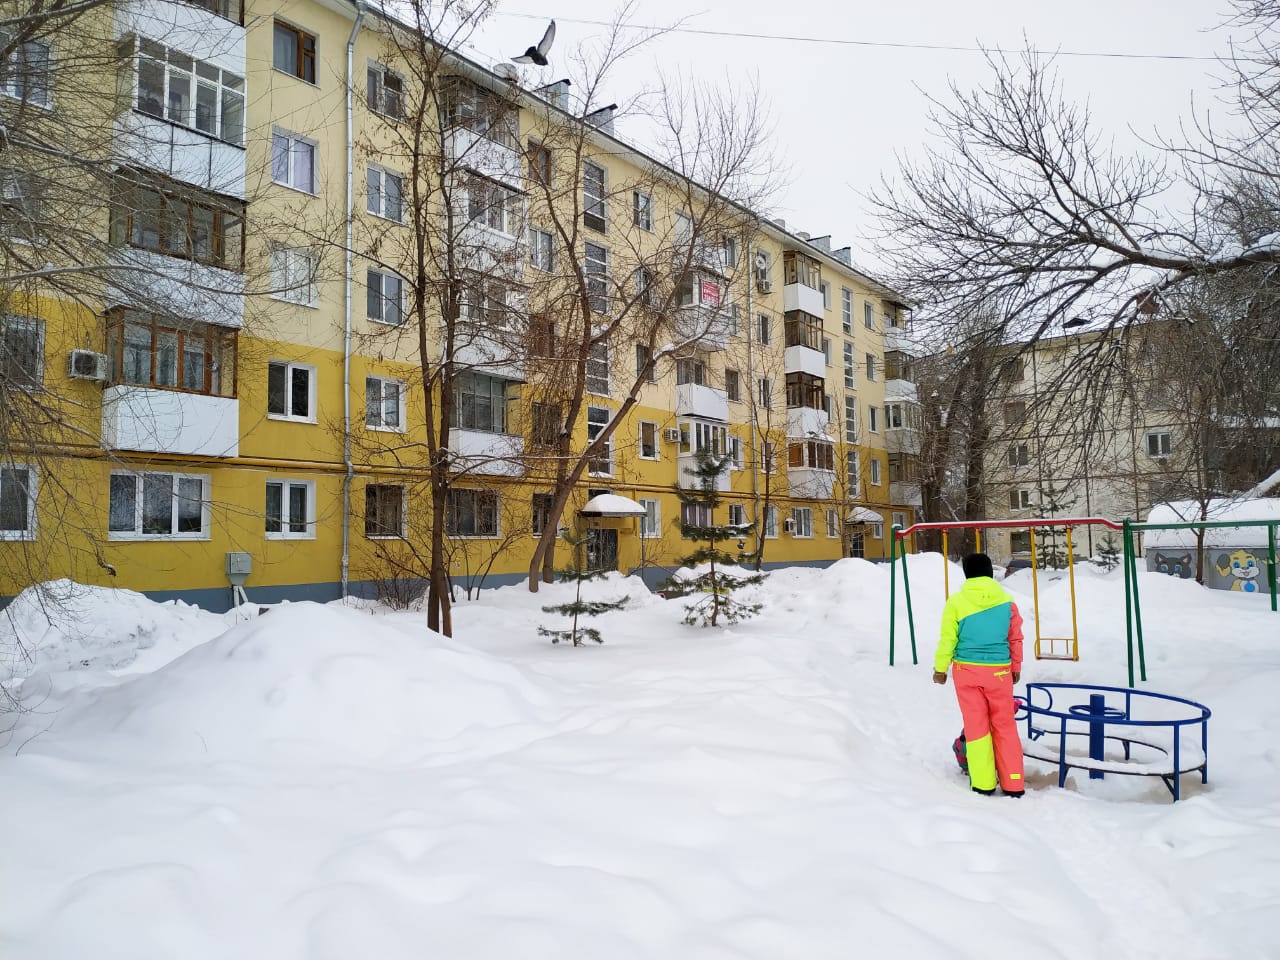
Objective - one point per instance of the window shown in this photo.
(648, 440)
(826, 294)
(771, 522)
(903, 468)
(850, 368)
(21, 206)
(1016, 370)
(893, 416)
(294, 52)
(480, 403)
(386, 92)
(690, 371)
(871, 368)
(812, 455)
(484, 113)
(899, 520)
(833, 524)
(874, 466)
(539, 164)
(385, 194)
(471, 513)
(1020, 542)
(384, 297)
(737, 515)
(873, 419)
(155, 352)
(598, 369)
(769, 457)
(800, 329)
(291, 391)
(1015, 412)
(1019, 455)
(542, 336)
(541, 250)
(684, 227)
(17, 503)
(644, 286)
(868, 316)
(192, 93)
(1019, 499)
(227, 9)
(166, 217)
(804, 390)
(489, 302)
(798, 268)
(877, 531)
(651, 522)
(546, 424)
(802, 521)
(291, 510)
(495, 206)
(646, 368)
(384, 404)
(695, 515)
(293, 161)
(642, 210)
(293, 275)
(26, 73)
(735, 453)
(540, 512)
(384, 510)
(1159, 443)
(732, 386)
(158, 505)
(22, 351)
(730, 248)
(851, 419)
(764, 329)
(597, 419)
(826, 350)
(853, 474)
(846, 310)
(596, 267)
(766, 393)
(595, 211)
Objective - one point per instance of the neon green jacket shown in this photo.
(980, 624)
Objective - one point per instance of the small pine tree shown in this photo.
(1108, 553)
(578, 608)
(715, 588)
(1053, 554)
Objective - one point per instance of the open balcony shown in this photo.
(696, 400)
(704, 326)
(906, 494)
(482, 452)
(811, 484)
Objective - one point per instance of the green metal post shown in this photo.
(893, 590)
(1271, 563)
(1137, 616)
(1127, 537)
(911, 620)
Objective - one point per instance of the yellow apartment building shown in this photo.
(243, 399)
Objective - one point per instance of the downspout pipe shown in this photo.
(348, 466)
(751, 386)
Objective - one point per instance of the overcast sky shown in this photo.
(842, 112)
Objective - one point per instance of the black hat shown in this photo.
(976, 565)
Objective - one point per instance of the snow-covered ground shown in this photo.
(323, 782)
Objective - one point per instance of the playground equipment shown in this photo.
(1108, 715)
(1046, 648)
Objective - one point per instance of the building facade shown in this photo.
(249, 386)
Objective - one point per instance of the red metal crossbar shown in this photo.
(990, 524)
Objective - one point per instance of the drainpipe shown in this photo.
(750, 386)
(348, 467)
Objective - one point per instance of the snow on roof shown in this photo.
(611, 505)
(864, 515)
(1224, 508)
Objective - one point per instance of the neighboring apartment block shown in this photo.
(253, 384)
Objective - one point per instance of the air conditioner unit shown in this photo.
(789, 525)
(87, 365)
(762, 264)
(671, 435)
(764, 285)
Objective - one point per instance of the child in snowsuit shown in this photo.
(982, 637)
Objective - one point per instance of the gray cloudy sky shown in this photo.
(841, 112)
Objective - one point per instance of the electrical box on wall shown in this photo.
(239, 566)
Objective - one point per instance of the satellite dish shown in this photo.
(762, 260)
(507, 71)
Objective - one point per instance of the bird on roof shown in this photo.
(538, 54)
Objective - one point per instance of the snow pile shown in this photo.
(326, 783)
(63, 625)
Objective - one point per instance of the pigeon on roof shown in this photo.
(538, 54)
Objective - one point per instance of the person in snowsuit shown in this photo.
(981, 643)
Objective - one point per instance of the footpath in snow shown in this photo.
(327, 782)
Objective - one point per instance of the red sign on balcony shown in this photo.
(710, 293)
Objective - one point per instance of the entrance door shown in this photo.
(602, 550)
